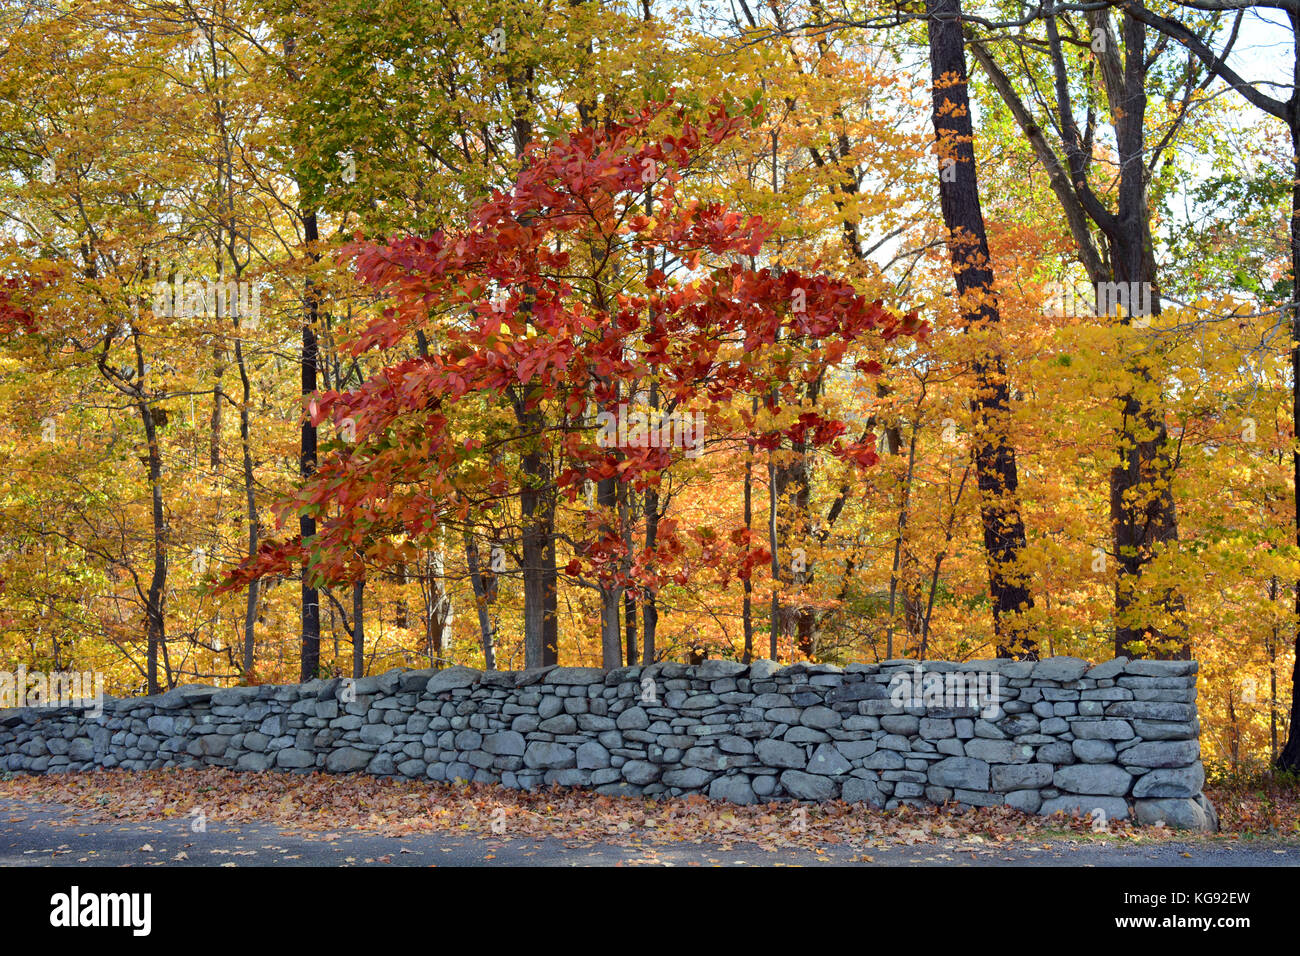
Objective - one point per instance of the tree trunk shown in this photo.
(250, 501)
(1289, 759)
(611, 595)
(358, 629)
(1143, 510)
(649, 603)
(480, 600)
(747, 605)
(539, 571)
(156, 599)
(307, 462)
(627, 517)
(438, 610)
(774, 617)
(995, 460)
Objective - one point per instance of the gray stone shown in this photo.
(209, 745)
(1027, 800)
(1094, 751)
(1167, 730)
(468, 740)
(1113, 808)
(713, 670)
(828, 761)
(690, 778)
(1164, 753)
(856, 749)
(807, 786)
(559, 724)
(904, 724)
(256, 762)
(293, 759)
(734, 789)
(413, 768)
(592, 756)
(376, 734)
(966, 773)
(1018, 724)
(451, 679)
(1171, 782)
(1060, 669)
(1023, 776)
(1152, 710)
(506, 743)
(634, 718)
(640, 772)
(936, 728)
(819, 717)
(779, 753)
(346, 759)
(1101, 729)
(1108, 670)
(1180, 814)
(1104, 779)
(881, 760)
(977, 798)
(855, 790)
(1146, 668)
(575, 676)
(806, 735)
(999, 751)
(735, 745)
(544, 755)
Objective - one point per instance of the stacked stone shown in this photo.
(1120, 738)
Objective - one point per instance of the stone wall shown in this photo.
(1059, 734)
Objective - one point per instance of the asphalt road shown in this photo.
(41, 835)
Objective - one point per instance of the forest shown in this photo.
(340, 336)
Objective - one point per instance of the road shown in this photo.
(42, 835)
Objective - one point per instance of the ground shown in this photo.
(221, 818)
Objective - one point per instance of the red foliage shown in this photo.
(567, 334)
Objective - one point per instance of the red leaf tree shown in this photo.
(594, 285)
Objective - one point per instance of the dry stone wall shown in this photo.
(1118, 739)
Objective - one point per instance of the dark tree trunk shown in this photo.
(156, 599)
(1144, 518)
(359, 629)
(611, 596)
(629, 626)
(995, 460)
(1143, 511)
(1288, 111)
(250, 500)
(307, 461)
(747, 605)
(649, 605)
(539, 571)
(1289, 759)
(627, 517)
(480, 600)
(214, 425)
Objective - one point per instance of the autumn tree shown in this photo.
(554, 320)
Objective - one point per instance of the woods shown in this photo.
(336, 337)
